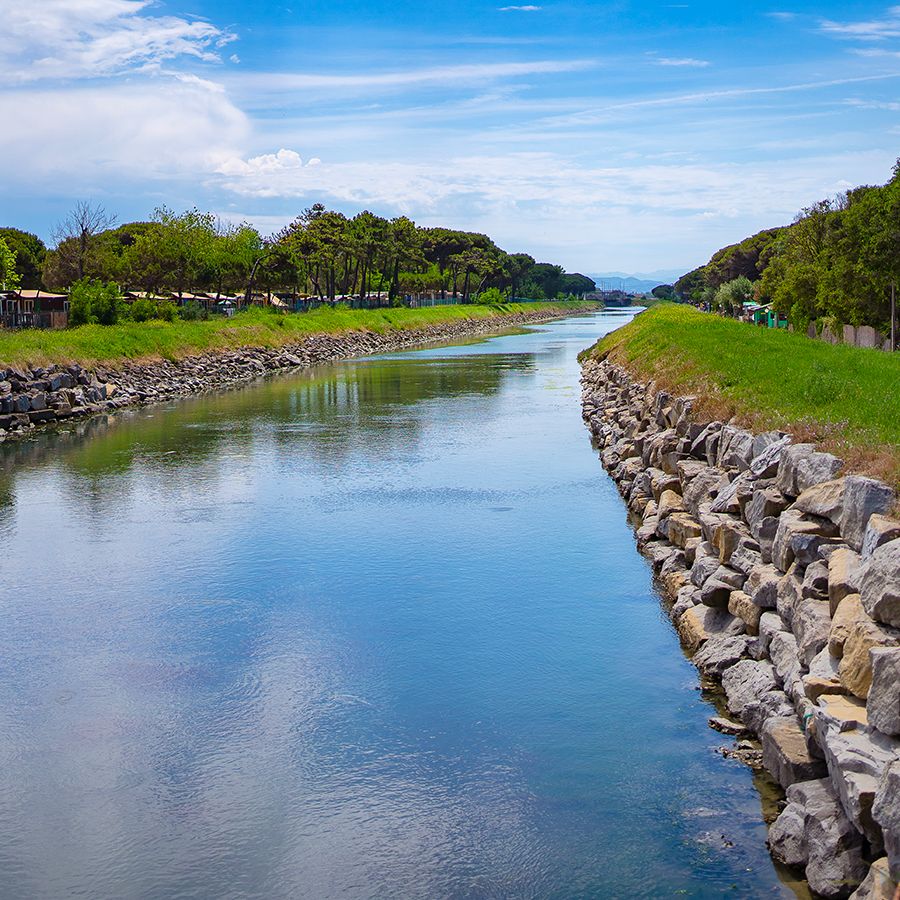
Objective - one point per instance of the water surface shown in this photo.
(374, 630)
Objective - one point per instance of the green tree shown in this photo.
(9, 277)
(30, 253)
(92, 301)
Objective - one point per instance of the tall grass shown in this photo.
(845, 398)
(92, 344)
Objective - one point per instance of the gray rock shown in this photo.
(812, 625)
(765, 531)
(883, 703)
(815, 582)
(762, 586)
(721, 653)
(767, 451)
(790, 595)
(787, 836)
(792, 522)
(765, 503)
(843, 567)
(715, 593)
(785, 753)
(863, 497)
(770, 624)
(703, 488)
(704, 565)
(785, 658)
(746, 682)
(770, 705)
(880, 530)
(856, 761)
(825, 500)
(878, 884)
(886, 812)
(802, 467)
(879, 584)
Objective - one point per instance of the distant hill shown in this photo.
(639, 283)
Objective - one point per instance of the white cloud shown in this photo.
(685, 61)
(521, 8)
(466, 73)
(888, 26)
(71, 39)
(162, 128)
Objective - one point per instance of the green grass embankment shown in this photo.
(843, 398)
(111, 344)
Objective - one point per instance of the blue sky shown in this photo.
(604, 136)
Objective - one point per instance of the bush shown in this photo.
(142, 310)
(192, 311)
(492, 297)
(92, 301)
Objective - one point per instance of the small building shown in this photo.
(30, 308)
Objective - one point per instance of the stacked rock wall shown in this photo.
(784, 582)
(55, 393)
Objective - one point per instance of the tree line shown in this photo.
(322, 253)
(835, 264)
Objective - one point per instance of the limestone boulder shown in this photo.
(824, 500)
(856, 761)
(879, 584)
(746, 556)
(762, 586)
(767, 451)
(787, 836)
(884, 694)
(880, 530)
(856, 665)
(802, 467)
(878, 884)
(721, 653)
(823, 677)
(669, 502)
(845, 618)
(789, 596)
(682, 527)
(765, 531)
(705, 563)
(715, 593)
(863, 497)
(785, 753)
(843, 566)
(770, 624)
(886, 812)
(765, 503)
(815, 582)
(742, 607)
(703, 488)
(812, 626)
(746, 682)
(792, 523)
(770, 705)
(700, 623)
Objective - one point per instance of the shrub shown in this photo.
(93, 301)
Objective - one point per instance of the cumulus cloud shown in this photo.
(71, 39)
(163, 128)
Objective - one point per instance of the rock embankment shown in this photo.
(783, 577)
(55, 393)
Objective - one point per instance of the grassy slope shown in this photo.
(843, 398)
(254, 328)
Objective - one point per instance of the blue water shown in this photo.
(375, 630)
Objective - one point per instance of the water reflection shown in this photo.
(374, 630)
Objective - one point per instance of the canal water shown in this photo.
(374, 630)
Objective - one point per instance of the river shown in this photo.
(378, 629)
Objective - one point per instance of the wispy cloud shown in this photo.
(521, 8)
(70, 39)
(687, 62)
(473, 73)
(887, 26)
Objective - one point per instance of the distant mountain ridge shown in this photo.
(638, 283)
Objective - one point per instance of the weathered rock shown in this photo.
(742, 607)
(886, 812)
(715, 593)
(767, 452)
(669, 502)
(785, 753)
(705, 563)
(770, 624)
(863, 497)
(878, 884)
(884, 694)
(791, 523)
(802, 467)
(728, 726)
(765, 531)
(720, 653)
(880, 530)
(856, 666)
(682, 528)
(762, 586)
(786, 660)
(703, 488)
(879, 584)
(843, 566)
(856, 760)
(815, 583)
(787, 836)
(845, 618)
(790, 595)
(765, 503)
(700, 623)
(770, 705)
(848, 711)
(824, 500)
(746, 682)
(812, 624)
(746, 557)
